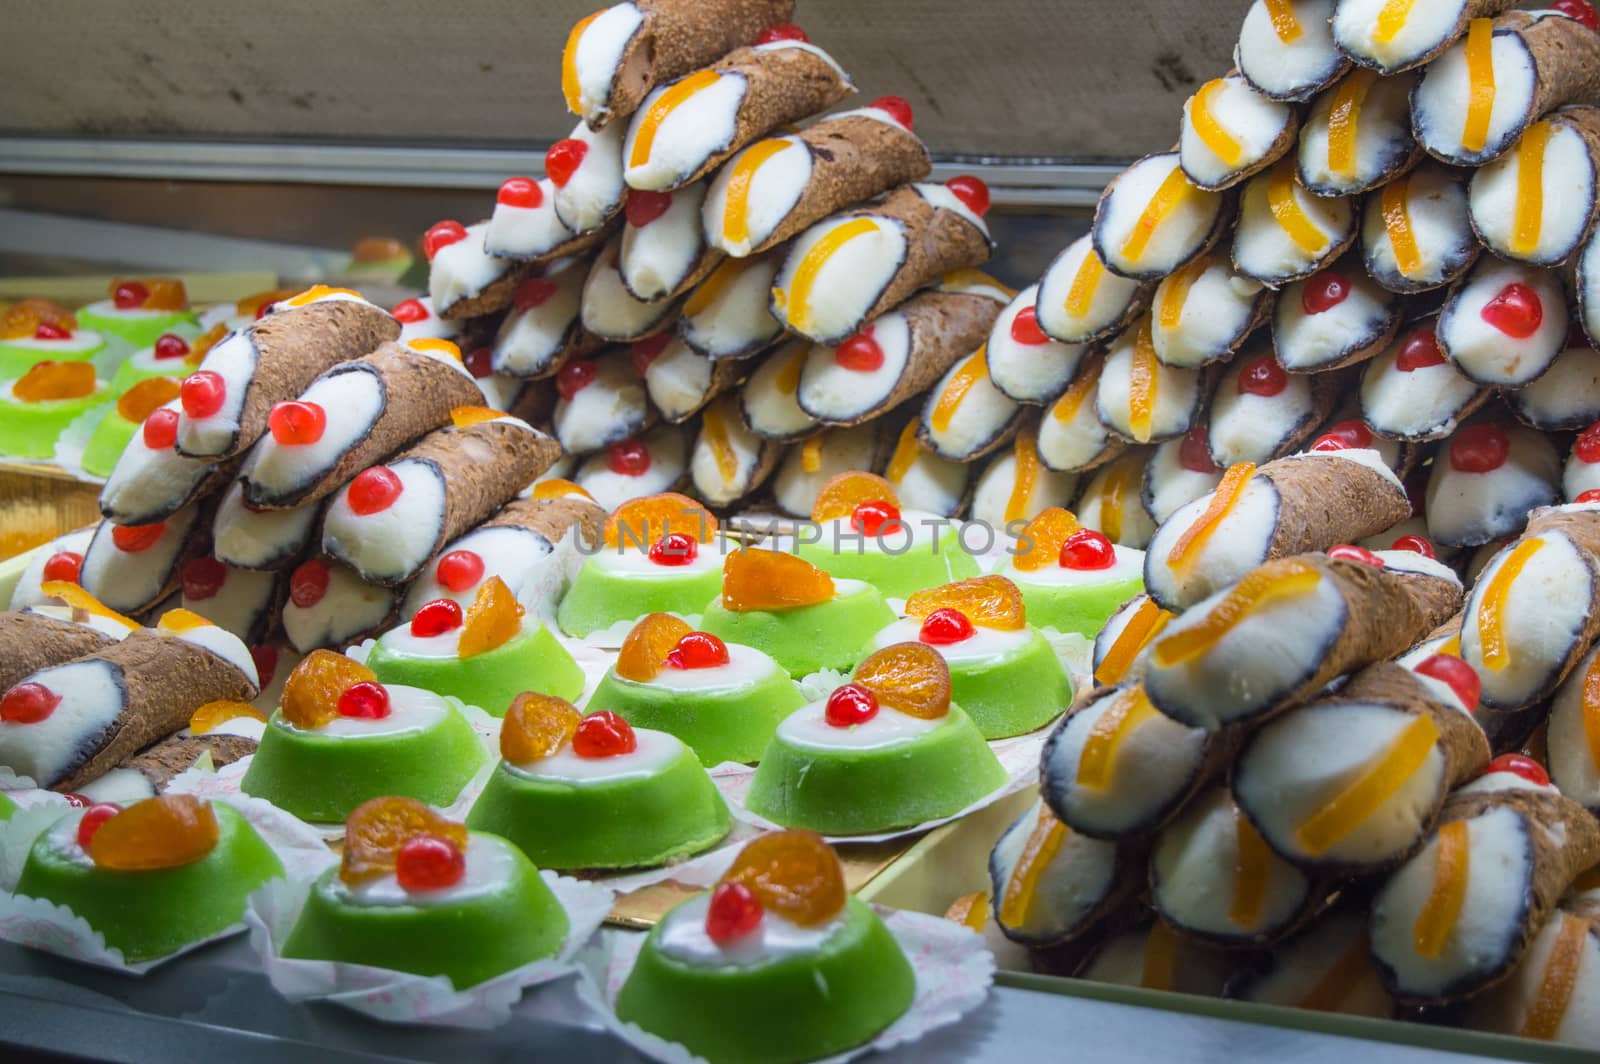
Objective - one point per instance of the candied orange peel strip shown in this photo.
(758, 579)
(1025, 476)
(1284, 22)
(1212, 133)
(1115, 490)
(987, 601)
(909, 677)
(166, 293)
(714, 428)
(1066, 408)
(23, 318)
(1344, 119)
(146, 397)
(1397, 224)
(1111, 729)
(1442, 910)
(842, 493)
(178, 621)
(648, 124)
(493, 619)
(537, 726)
(905, 452)
(794, 874)
(645, 649)
(1044, 842)
(1529, 217)
(707, 292)
(644, 521)
(1290, 215)
(76, 598)
(1173, 191)
(571, 89)
(1277, 580)
(1352, 965)
(811, 449)
(213, 715)
(965, 378)
(1492, 628)
(1560, 979)
(376, 829)
(1143, 379)
(167, 831)
(1252, 872)
(1368, 789)
(1591, 711)
(796, 302)
(1226, 496)
(49, 381)
(1045, 534)
(557, 488)
(466, 416)
(736, 207)
(1160, 969)
(1391, 20)
(970, 910)
(320, 291)
(1080, 296)
(311, 693)
(1175, 291)
(434, 345)
(1146, 623)
(1480, 84)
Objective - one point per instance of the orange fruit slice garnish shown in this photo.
(841, 495)
(909, 677)
(645, 649)
(793, 873)
(987, 601)
(376, 829)
(537, 726)
(757, 579)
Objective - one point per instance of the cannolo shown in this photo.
(895, 356)
(1072, 437)
(1152, 219)
(1586, 282)
(678, 379)
(1264, 644)
(1334, 318)
(848, 269)
(1201, 313)
(609, 310)
(1574, 757)
(1110, 503)
(1486, 479)
(1080, 301)
(1259, 412)
(1553, 995)
(227, 400)
(1016, 485)
(1286, 48)
(1351, 784)
(1152, 957)
(1346, 429)
(330, 606)
(464, 280)
(602, 400)
(1505, 324)
(965, 416)
(1304, 502)
(1051, 884)
(1326, 967)
(1213, 878)
(249, 538)
(1357, 135)
(525, 230)
(924, 480)
(392, 518)
(585, 169)
(729, 314)
(1456, 917)
(1230, 130)
(1121, 644)
(69, 724)
(1482, 94)
(1179, 472)
(1412, 392)
(1391, 37)
(353, 415)
(688, 128)
(1537, 202)
(636, 466)
(241, 601)
(535, 403)
(1582, 472)
(1415, 232)
(1140, 398)
(1024, 362)
(614, 57)
(1566, 396)
(37, 637)
(1116, 769)
(541, 331)
(664, 253)
(60, 559)
(131, 568)
(151, 480)
(160, 764)
(1285, 232)
(729, 461)
(419, 322)
(769, 400)
(500, 390)
(820, 458)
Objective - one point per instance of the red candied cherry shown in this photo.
(850, 705)
(160, 429)
(1587, 446)
(1349, 552)
(643, 353)
(519, 192)
(50, 331)
(971, 191)
(1590, 496)
(1520, 765)
(1420, 351)
(1087, 549)
(1454, 674)
(1516, 311)
(628, 458)
(93, 817)
(1479, 449)
(1194, 453)
(574, 377)
(131, 539)
(28, 703)
(169, 346)
(1025, 328)
(203, 393)
(644, 207)
(603, 734)
(1329, 442)
(409, 311)
(860, 352)
(130, 295)
(698, 650)
(436, 618)
(442, 235)
(1324, 292)
(870, 517)
(1352, 433)
(309, 582)
(1414, 544)
(296, 423)
(945, 626)
(365, 700)
(1262, 376)
(264, 309)
(896, 107)
(1581, 10)
(734, 912)
(563, 160)
(374, 490)
(76, 801)
(202, 578)
(533, 292)
(63, 565)
(459, 570)
(479, 362)
(429, 862)
(786, 31)
(266, 659)
(674, 549)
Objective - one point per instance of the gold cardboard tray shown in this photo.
(41, 502)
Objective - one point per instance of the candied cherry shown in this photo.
(202, 578)
(1194, 453)
(429, 862)
(944, 626)
(1455, 674)
(1479, 449)
(203, 392)
(1354, 434)
(1351, 553)
(674, 549)
(309, 582)
(1581, 10)
(604, 734)
(644, 353)
(1520, 765)
(1587, 446)
(1262, 376)
(1414, 544)
(442, 235)
(28, 703)
(533, 292)
(861, 352)
(519, 192)
(295, 423)
(698, 650)
(131, 539)
(1025, 328)
(644, 207)
(374, 490)
(458, 570)
(130, 295)
(1588, 497)
(850, 705)
(479, 362)
(628, 458)
(410, 311)
(63, 565)
(786, 31)
(563, 160)
(437, 618)
(1324, 292)
(896, 107)
(93, 817)
(376, 830)
(734, 912)
(168, 346)
(50, 331)
(1087, 549)
(1516, 310)
(970, 191)
(365, 700)
(77, 801)
(1420, 351)
(575, 376)
(870, 517)
(266, 662)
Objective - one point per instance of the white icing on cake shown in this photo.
(683, 938)
(807, 728)
(654, 752)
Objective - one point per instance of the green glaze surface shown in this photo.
(29, 430)
(106, 444)
(7, 807)
(827, 635)
(599, 598)
(896, 575)
(532, 661)
(719, 723)
(1084, 609)
(1015, 693)
(15, 360)
(137, 331)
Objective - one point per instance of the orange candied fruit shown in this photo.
(22, 319)
(467, 416)
(75, 597)
(647, 645)
(204, 343)
(536, 726)
(251, 305)
(320, 291)
(377, 249)
(910, 677)
(311, 693)
(643, 521)
(794, 874)
(757, 579)
(213, 715)
(557, 488)
(841, 495)
(166, 293)
(181, 620)
(168, 831)
(376, 829)
(987, 601)
(493, 619)
(1044, 536)
(146, 397)
(55, 380)
(1285, 578)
